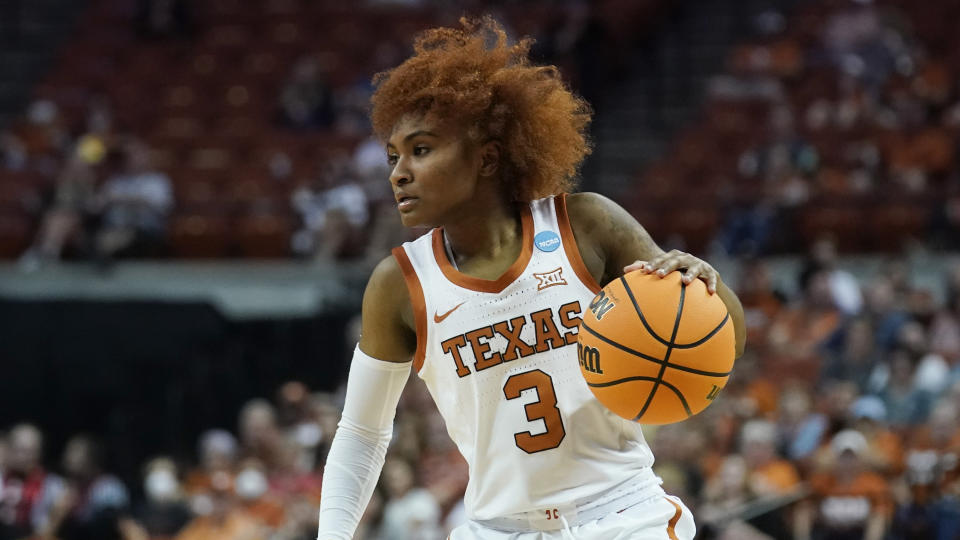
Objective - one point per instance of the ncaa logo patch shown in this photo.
(547, 241)
(550, 279)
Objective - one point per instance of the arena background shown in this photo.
(190, 205)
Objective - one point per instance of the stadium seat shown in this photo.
(198, 235)
(15, 230)
(264, 236)
(844, 222)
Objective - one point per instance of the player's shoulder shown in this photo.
(388, 320)
(592, 214)
(585, 201)
(387, 283)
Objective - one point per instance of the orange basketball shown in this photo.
(654, 350)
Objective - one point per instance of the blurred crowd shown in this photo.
(100, 195)
(841, 421)
(235, 130)
(260, 482)
(842, 115)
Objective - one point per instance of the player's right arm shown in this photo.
(387, 327)
(380, 367)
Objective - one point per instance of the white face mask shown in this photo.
(308, 435)
(161, 485)
(250, 484)
(201, 505)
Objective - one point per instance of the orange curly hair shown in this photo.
(471, 74)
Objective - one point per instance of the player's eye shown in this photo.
(420, 150)
(392, 159)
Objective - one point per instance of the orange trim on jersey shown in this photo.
(570, 244)
(672, 524)
(487, 285)
(418, 303)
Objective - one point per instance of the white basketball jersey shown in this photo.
(500, 359)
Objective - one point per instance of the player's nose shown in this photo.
(400, 175)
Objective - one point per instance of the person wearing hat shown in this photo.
(884, 448)
(848, 501)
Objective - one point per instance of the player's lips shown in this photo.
(405, 201)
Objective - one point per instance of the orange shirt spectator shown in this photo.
(233, 526)
(849, 501)
(768, 473)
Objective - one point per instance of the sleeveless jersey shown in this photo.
(500, 359)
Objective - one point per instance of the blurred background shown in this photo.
(190, 205)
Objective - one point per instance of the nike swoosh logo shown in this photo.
(439, 318)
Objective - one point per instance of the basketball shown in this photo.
(654, 350)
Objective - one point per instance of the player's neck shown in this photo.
(488, 232)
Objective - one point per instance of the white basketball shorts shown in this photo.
(660, 518)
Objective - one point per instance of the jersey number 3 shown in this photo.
(544, 409)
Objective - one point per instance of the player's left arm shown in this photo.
(612, 243)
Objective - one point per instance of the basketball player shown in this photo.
(483, 146)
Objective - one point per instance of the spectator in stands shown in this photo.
(932, 371)
(856, 40)
(286, 458)
(302, 428)
(768, 473)
(306, 100)
(800, 427)
(886, 314)
(254, 496)
(945, 327)
(410, 511)
(134, 205)
(220, 518)
(327, 416)
(848, 500)
(260, 437)
(800, 332)
(164, 513)
(43, 134)
(300, 522)
(30, 493)
(218, 454)
(98, 497)
(858, 357)
(932, 473)
(723, 496)
(906, 403)
(844, 287)
(73, 199)
(334, 211)
(884, 454)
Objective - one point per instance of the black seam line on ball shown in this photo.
(653, 358)
(640, 313)
(676, 390)
(657, 336)
(702, 340)
(666, 356)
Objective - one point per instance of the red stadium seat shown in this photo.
(264, 236)
(203, 236)
(14, 233)
(844, 222)
(891, 225)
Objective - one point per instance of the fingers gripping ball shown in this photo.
(654, 350)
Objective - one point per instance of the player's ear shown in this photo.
(489, 158)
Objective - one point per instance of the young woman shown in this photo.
(483, 147)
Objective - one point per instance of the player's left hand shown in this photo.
(691, 266)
